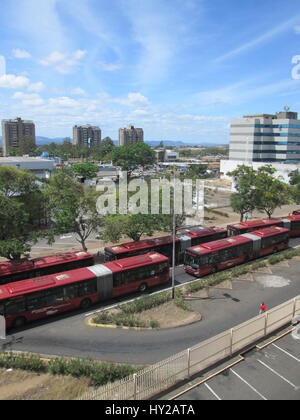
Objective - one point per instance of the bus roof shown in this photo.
(148, 243)
(254, 224)
(199, 232)
(135, 262)
(294, 218)
(195, 232)
(10, 267)
(271, 231)
(24, 287)
(215, 246)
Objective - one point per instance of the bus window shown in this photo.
(2, 309)
(36, 301)
(71, 292)
(15, 306)
(87, 288)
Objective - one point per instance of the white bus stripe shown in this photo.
(213, 392)
(286, 352)
(278, 374)
(250, 386)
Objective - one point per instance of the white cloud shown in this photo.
(64, 102)
(109, 67)
(21, 54)
(36, 87)
(54, 58)
(133, 99)
(267, 36)
(10, 81)
(78, 92)
(297, 29)
(28, 99)
(64, 63)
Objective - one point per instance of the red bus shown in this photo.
(28, 269)
(34, 299)
(294, 225)
(245, 227)
(220, 255)
(186, 238)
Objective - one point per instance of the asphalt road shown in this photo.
(70, 335)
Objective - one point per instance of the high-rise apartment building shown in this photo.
(130, 135)
(87, 135)
(266, 138)
(15, 133)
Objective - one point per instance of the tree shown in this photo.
(270, 191)
(243, 200)
(131, 157)
(197, 172)
(294, 177)
(19, 200)
(72, 208)
(85, 170)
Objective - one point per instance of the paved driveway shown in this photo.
(269, 374)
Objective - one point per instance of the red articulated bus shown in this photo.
(28, 269)
(30, 300)
(292, 223)
(252, 225)
(185, 238)
(226, 253)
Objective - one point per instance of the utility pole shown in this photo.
(174, 236)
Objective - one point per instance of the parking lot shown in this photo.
(272, 373)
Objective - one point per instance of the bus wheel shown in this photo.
(19, 322)
(275, 250)
(85, 304)
(143, 288)
(214, 270)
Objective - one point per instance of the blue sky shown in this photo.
(179, 69)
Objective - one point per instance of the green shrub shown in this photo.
(146, 303)
(99, 373)
(154, 324)
(28, 362)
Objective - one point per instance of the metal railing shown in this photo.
(160, 377)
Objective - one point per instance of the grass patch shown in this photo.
(98, 373)
(127, 315)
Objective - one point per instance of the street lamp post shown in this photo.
(174, 237)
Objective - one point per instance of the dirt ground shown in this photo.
(21, 385)
(167, 315)
(170, 316)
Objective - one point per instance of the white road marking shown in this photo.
(278, 374)
(286, 352)
(213, 392)
(250, 386)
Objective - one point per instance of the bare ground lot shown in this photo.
(20, 385)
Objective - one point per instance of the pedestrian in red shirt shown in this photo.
(263, 308)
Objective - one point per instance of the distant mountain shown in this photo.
(41, 141)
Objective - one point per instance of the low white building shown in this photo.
(282, 169)
(41, 168)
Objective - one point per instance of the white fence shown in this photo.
(163, 375)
